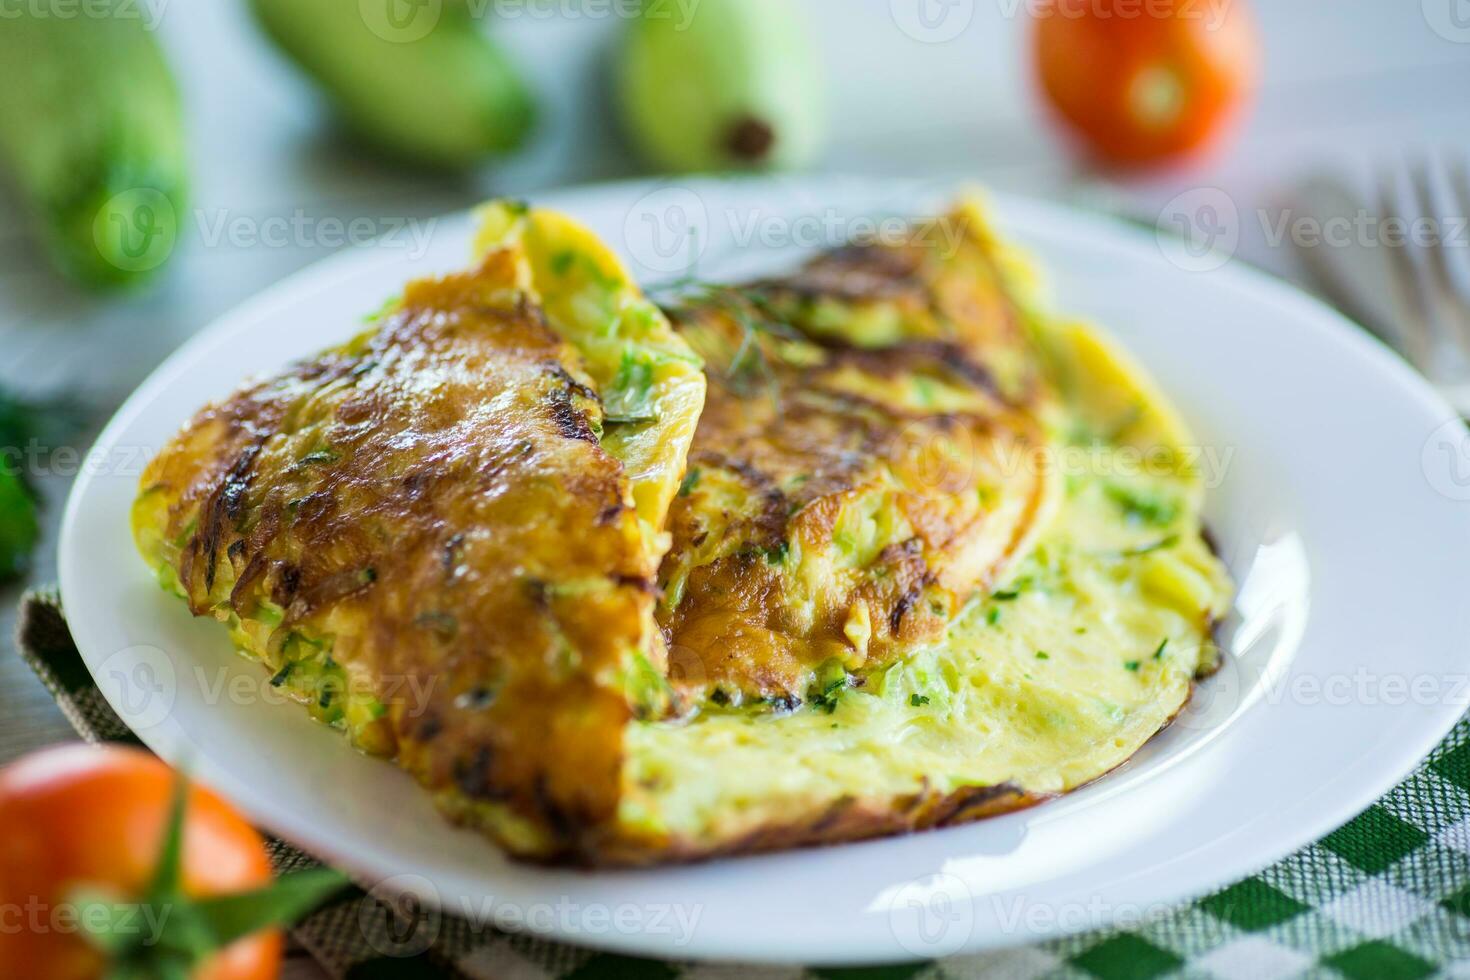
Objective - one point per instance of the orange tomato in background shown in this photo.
(80, 816)
(1143, 82)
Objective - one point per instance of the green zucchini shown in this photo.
(429, 89)
(91, 130)
(723, 85)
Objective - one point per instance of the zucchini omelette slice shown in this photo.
(871, 453)
(1068, 654)
(400, 508)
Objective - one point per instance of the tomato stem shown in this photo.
(167, 934)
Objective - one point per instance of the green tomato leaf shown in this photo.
(284, 901)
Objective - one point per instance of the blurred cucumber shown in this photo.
(721, 85)
(418, 81)
(91, 131)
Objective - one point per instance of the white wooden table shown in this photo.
(1346, 84)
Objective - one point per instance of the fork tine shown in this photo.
(1420, 329)
(1448, 280)
(1457, 245)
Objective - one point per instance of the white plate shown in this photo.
(1341, 507)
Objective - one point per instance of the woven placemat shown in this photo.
(1386, 897)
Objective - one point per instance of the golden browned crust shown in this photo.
(844, 821)
(800, 425)
(410, 499)
(941, 283)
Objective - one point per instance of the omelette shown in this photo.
(447, 503)
(879, 545)
(870, 455)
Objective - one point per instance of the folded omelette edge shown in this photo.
(442, 506)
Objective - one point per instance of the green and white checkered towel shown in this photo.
(1386, 897)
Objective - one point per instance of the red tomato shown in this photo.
(81, 816)
(1146, 81)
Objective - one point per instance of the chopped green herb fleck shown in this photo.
(918, 700)
(1159, 653)
(1131, 665)
(279, 677)
(993, 616)
(381, 311)
(1006, 595)
(690, 481)
(562, 262)
(776, 554)
(1140, 505)
(1042, 655)
(831, 681)
(630, 397)
(1149, 549)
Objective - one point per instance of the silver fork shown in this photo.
(1407, 276)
